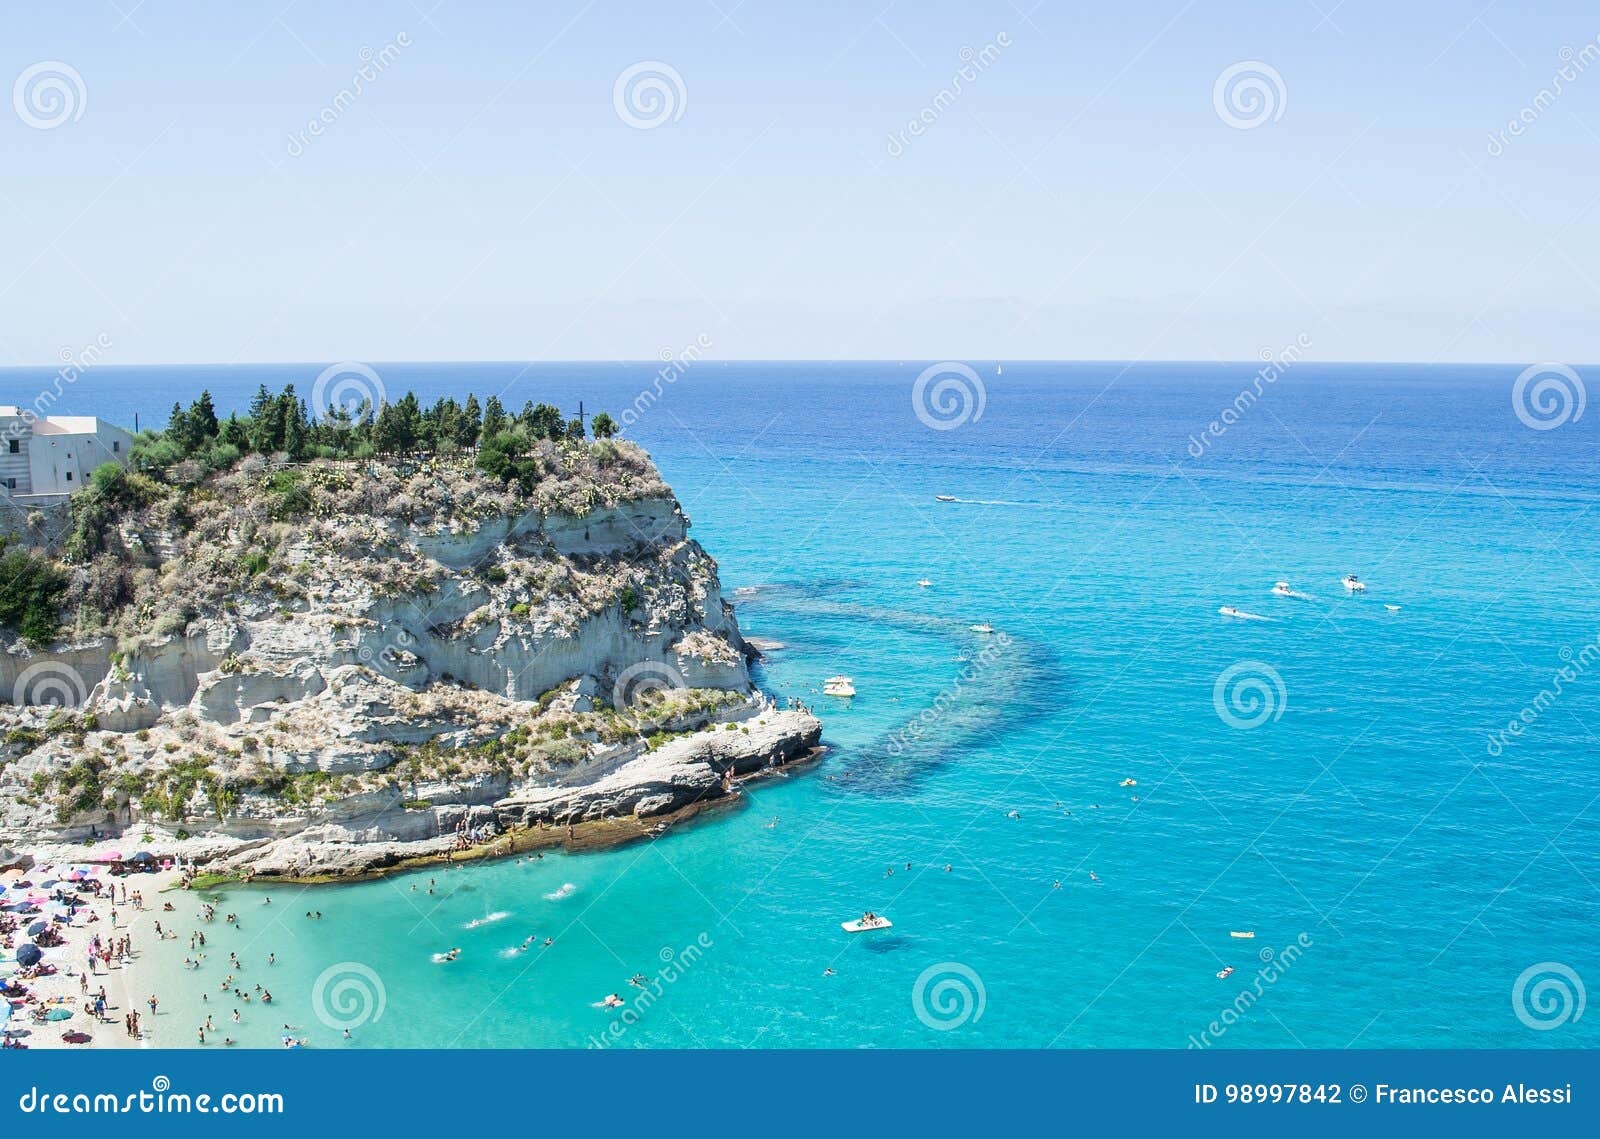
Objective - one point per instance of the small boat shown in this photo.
(1353, 583)
(1224, 974)
(944, 498)
(1129, 783)
(924, 583)
(1392, 608)
(981, 628)
(841, 686)
(1244, 933)
(864, 924)
(1240, 614)
(999, 370)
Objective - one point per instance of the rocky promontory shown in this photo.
(328, 666)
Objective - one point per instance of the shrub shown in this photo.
(31, 592)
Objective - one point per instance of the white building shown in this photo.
(45, 459)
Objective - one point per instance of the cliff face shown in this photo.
(382, 677)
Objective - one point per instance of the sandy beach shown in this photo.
(127, 981)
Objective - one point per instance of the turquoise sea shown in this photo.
(1408, 882)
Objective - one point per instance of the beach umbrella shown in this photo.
(143, 856)
(29, 954)
(38, 927)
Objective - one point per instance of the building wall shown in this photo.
(56, 456)
(15, 467)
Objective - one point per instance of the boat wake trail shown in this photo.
(566, 891)
(996, 684)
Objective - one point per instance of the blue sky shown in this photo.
(1081, 197)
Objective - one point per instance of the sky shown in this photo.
(610, 179)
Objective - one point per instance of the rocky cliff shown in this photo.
(329, 667)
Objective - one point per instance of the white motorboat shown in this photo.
(924, 583)
(840, 686)
(981, 628)
(944, 498)
(1353, 583)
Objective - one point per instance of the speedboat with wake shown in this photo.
(944, 498)
(1240, 614)
(986, 629)
(1353, 583)
(1284, 589)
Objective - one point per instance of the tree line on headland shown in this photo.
(284, 424)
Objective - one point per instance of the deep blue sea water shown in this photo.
(1366, 822)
